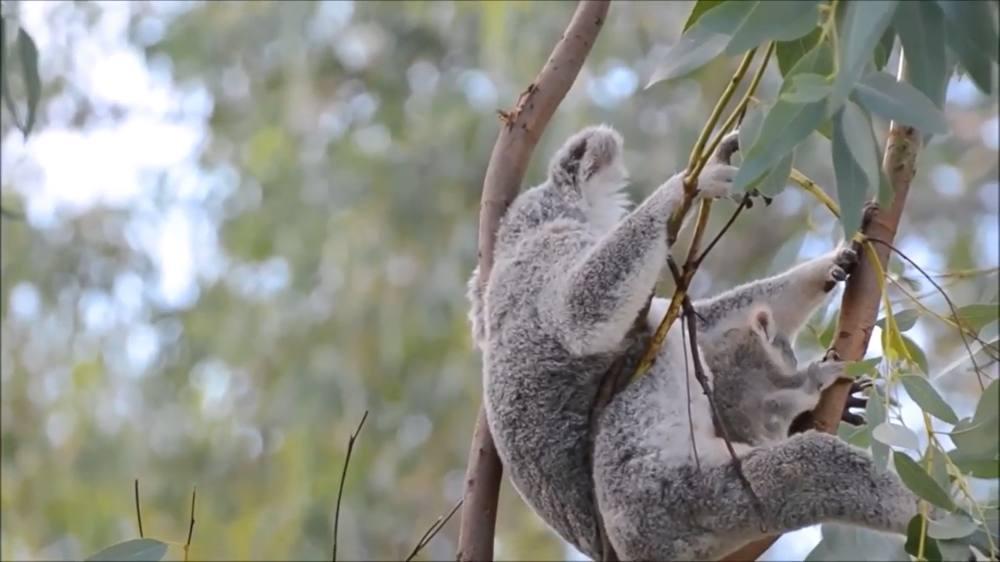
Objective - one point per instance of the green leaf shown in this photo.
(699, 9)
(988, 408)
(970, 32)
(784, 127)
(931, 552)
(852, 179)
(919, 482)
(951, 526)
(807, 87)
(859, 436)
(826, 336)
(954, 551)
(895, 435)
(975, 316)
(921, 31)
(884, 48)
(876, 415)
(856, 369)
(977, 463)
(905, 319)
(776, 179)
(29, 67)
(4, 83)
(135, 549)
(790, 52)
(975, 439)
(938, 465)
(921, 391)
(848, 542)
(915, 353)
(860, 30)
(781, 20)
(703, 42)
(881, 94)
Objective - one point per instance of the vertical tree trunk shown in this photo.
(522, 128)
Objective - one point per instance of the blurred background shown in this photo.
(244, 224)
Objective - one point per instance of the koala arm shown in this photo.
(595, 301)
(793, 296)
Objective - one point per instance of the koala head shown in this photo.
(751, 341)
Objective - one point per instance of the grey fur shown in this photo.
(572, 272)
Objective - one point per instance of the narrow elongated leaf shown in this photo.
(699, 9)
(884, 47)
(857, 131)
(704, 41)
(923, 548)
(938, 465)
(856, 369)
(954, 551)
(895, 435)
(29, 67)
(781, 20)
(852, 181)
(135, 549)
(981, 464)
(881, 94)
(776, 179)
(921, 391)
(784, 127)
(975, 316)
(789, 53)
(807, 87)
(921, 31)
(968, 34)
(975, 439)
(919, 482)
(875, 413)
(905, 319)
(988, 408)
(914, 352)
(849, 542)
(862, 26)
(4, 82)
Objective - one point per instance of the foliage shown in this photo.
(325, 218)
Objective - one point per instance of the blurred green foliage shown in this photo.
(226, 321)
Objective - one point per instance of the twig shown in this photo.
(432, 530)
(517, 139)
(138, 512)
(744, 203)
(947, 299)
(187, 544)
(343, 476)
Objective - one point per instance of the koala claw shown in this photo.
(831, 355)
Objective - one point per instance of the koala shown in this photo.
(567, 299)
(665, 483)
(572, 273)
(758, 390)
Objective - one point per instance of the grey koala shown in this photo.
(667, 487)
(758, 389)
(572, 275)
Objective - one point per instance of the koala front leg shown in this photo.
(793, 296)
(595, 302)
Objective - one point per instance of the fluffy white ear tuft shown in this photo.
(762, 322)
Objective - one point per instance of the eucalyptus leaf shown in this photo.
(4, 81)
(28, 53)
(988, 408)
(905, 319)
(859, 436)
(922, 547)
(849, 542)
(975, 438)
(884, 47)
(970, 34)
(954, 551)
(861, 29)
(133, 550)
(780, 20)
(919, 482)
(789, 53)
(881, 94)
(951, 526)
(852, 179)
(856, 369)
(876, 415)
(981, 464)
(807, 87)
(976, 316)
(699, 9)
(916, 353)
(895, 435)
(920, 26)
(921, 391)
(784, 127)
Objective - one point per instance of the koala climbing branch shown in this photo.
(517, 139)
(862, 295)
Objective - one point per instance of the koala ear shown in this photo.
(585, 154)
(762, 322)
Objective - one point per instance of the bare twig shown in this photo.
(187, 544)
(522, 128)
(138, 512)
(744, 203)
(432, 531)
(862, 295)
(343, 476)
(947, 299)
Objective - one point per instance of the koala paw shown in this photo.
(826, 372)
(856, 402)
(842, 266)
(716, 181)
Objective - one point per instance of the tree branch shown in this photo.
(862, 295)
(523, 126)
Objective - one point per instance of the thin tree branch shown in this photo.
(343, 476)
(523, 126)
(187, 544)
(138, 512)
(432, 531)
(862, 295)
